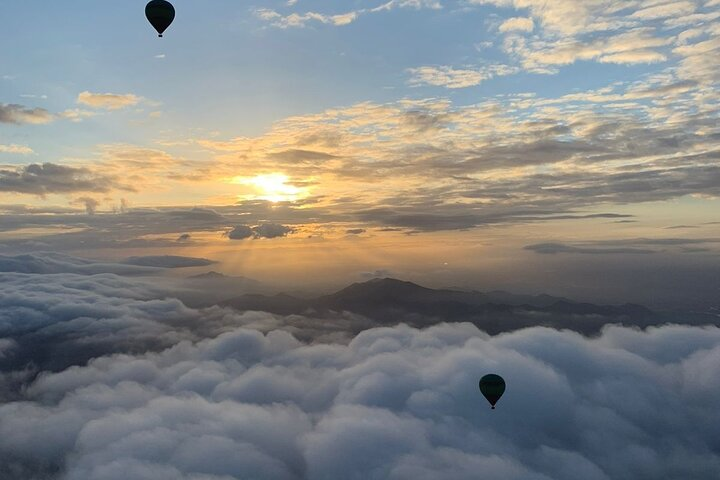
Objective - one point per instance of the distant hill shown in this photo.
(213, 275)
(389, 301)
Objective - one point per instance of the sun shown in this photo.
(272, 187)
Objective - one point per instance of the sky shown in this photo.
(157, 194)
(566, 147)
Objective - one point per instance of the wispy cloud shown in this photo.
(449, 77)
(108, 101)
(279, 20)
(47, 178)
(522, 24)
(16, 149)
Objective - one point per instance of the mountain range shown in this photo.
(389, 301)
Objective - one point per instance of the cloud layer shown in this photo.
(177, 393)
(393, 404)
(48, 178)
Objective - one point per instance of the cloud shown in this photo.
(519, 158)
(630, 47)
(76, 114)
(264, 230)
(506, 160)
(450, 77)
(18, 114)
(47, 178)
(394, 403)
(622, 246)
(108, 101)
(664, 10)
(555, 248)
(301, 20)
(240, 232)
(606, 31)
(380, 273)
(44, 263)
(355, 231)
(168, 261)
(521, 24)
(121, 228)
(16, 149)
(271, 230)
(90, 203)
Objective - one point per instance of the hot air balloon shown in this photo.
(492, 387)
(160, 14)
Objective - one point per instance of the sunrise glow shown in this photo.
(272, 187)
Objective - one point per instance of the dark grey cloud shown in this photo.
(185, 237)
(240, 232)
(555, 248)
(90, 203)
(168, 261)
(271, 230)
(423, 120)
(355, 231)
(264, 230)
(126, 228)
(19, 114)
(623, 246)
(54, 263)
(46, 178)
(589, 216)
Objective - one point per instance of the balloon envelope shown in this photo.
(160, 14)
(492, 387)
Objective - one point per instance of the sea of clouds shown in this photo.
(105, 377)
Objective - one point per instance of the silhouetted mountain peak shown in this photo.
(379, 288)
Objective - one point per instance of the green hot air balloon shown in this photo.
(160, 14)
(492, 387)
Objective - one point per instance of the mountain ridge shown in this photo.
(389, 301)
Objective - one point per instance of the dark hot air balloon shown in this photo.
(492, 387)
(160, 14)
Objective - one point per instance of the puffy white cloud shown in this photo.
(394, 403)
(125, 380)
